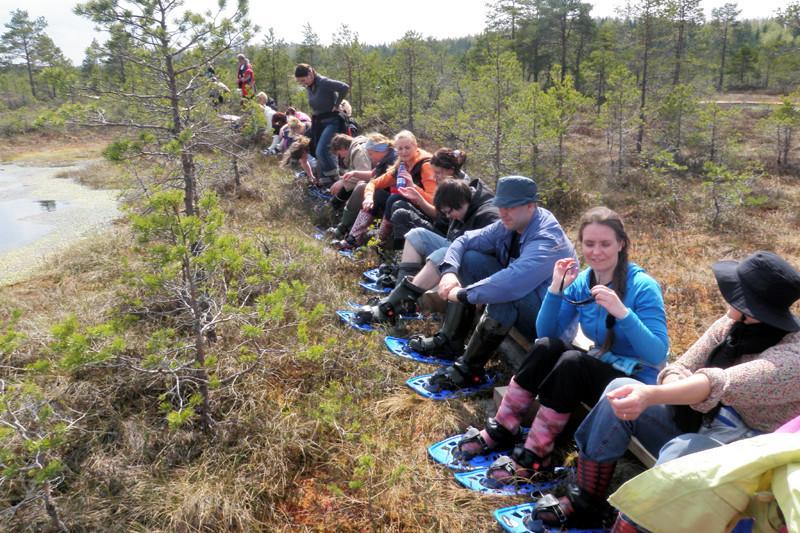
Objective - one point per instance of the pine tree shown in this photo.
(21, 41)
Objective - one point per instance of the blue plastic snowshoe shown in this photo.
(476, 480)
(399, 347)
(419, 385)
(512, 519)
(446, 453)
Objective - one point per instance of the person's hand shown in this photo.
(629, 401)
(608, 299)
(452, 296)
(562, 266)
(367, 205)
(410, 193)
(407, 175)
(337, 186)
(448, 282)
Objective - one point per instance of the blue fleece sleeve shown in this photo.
(532, 268)
(554, 316)
(646, 324)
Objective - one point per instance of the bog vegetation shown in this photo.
(183, 372)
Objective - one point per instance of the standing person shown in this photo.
(507, 266)
(324, 97)
(738, 379)
(245, 79)
(619, 307)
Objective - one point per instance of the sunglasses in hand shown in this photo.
(585, 301)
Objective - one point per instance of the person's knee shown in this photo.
(617, 383)
(504, 313)
(472, 263)
(685, 444)
(547, 344)
(570, 360)
(401, 217)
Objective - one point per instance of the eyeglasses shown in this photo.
(586, 301)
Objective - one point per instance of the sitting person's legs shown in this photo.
(576, 377)
(404, 218)
(496, 322)
(602, 439)
(351, 210)
(518, 398)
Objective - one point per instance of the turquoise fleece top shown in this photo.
(640, 337)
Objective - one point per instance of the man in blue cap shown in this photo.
(507, 266)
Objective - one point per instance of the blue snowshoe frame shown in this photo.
(418, 383)
(476, 480)
(399, 346)
(444, 453)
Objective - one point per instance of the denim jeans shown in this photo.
(425, 242)
(603, 437)
(328, 165)
(521, 313)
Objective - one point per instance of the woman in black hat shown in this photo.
(739, 379)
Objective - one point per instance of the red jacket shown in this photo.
(246, 81)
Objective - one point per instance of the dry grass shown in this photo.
(53, 148)
(336, 443)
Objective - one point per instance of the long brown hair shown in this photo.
(607, 217)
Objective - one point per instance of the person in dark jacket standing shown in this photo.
(324, 98)
(468, 206)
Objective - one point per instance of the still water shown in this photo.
(40, 214)
(17, 226)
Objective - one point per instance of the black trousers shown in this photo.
(405, 217)
(563, 376)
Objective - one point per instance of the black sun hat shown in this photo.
(763, 286)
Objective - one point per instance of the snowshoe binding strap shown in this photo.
(501, 436)
(472, 434)
(545, 504)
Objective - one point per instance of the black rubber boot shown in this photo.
(340, 200)
(448, 342)
(468, 371)
(585, 505)
(407, 269)
(402, 300)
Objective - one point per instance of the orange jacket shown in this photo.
(389, 179)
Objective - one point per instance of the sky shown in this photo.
(375, 22)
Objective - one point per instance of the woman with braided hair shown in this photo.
(619, 307)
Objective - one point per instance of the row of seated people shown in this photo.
(510, 256)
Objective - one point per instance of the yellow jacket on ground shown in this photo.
(708, 490)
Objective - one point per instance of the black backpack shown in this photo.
(352, 127)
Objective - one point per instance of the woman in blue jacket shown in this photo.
(619, 307)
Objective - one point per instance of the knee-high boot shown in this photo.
(503, 428)
(585, 504)
(468, 371)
